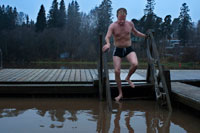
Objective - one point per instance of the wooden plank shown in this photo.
(39, 75)
(48, 78)
(96, 71)
(35, 73)
(121, 70)
(55, 76)
(186, 94)
(110, 70)
(67, 75)
(13, 77)
(16, 72)
(30, 73)
(62, 74)
(94, 75)
(5, 71)
(83, 76)
(44, 76)
(8, 73)
(72, 75)
(19, 76)
(88, 75)
(78, 75)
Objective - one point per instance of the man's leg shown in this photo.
(117, 66)
(132, 58)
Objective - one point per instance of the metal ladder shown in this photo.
(156, 74)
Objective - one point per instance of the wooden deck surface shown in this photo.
(57, 75)
(186, 94)
(48, 75)
(54, 81)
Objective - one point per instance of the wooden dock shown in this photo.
(82, 81)
(59, 81)
(54, 81)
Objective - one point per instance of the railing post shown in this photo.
(107, 82)
(1, 59)
(104, 83)
(100, 69)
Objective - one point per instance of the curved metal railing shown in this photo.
(155, 72)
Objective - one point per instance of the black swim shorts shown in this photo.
(122, 52)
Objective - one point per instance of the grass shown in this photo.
(142, 64)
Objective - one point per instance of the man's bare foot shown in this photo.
(118, 98)
(130, 83)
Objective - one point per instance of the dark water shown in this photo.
(88, 115)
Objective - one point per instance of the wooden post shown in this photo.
(1, 59)
(168, 80)
(108, 93)
(100, 69)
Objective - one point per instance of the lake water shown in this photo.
(89, 115)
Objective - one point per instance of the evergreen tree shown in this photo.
(167, 27)
(150, 7)
(198, 31)
(149, 18)
(175, 25)
(73, 26)
(53, 15)
(104, 16)
(185, 25)
(27, 20)
(41, 20)
(62, 14)
(21, 18)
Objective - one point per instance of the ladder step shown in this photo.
(126, 85)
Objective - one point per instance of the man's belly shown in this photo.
(122, 45)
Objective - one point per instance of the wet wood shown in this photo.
(186, 94)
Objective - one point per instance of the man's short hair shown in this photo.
(121, 11)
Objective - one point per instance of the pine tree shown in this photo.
(53, 15)
(167, 27)
(185, 25)
(198, 31)
(41, 20)
(62, 14)
(73, 26)
(149, 18)
(150, 7)
(104, 16)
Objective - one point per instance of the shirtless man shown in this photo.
(121, 31)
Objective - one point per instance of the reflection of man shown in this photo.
(127, 119)
(117, 118)
(121, 31)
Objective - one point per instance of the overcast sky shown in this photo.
(135, 7)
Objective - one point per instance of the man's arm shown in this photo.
(107, 38)
(136, 32)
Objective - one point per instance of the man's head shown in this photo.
(121, 16)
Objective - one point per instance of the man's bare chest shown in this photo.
(122, 31)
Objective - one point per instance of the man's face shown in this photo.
(121, 19)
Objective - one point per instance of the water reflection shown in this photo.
(90, 115)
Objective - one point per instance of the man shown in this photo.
(121, 31)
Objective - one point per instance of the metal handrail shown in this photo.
(153, 62)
